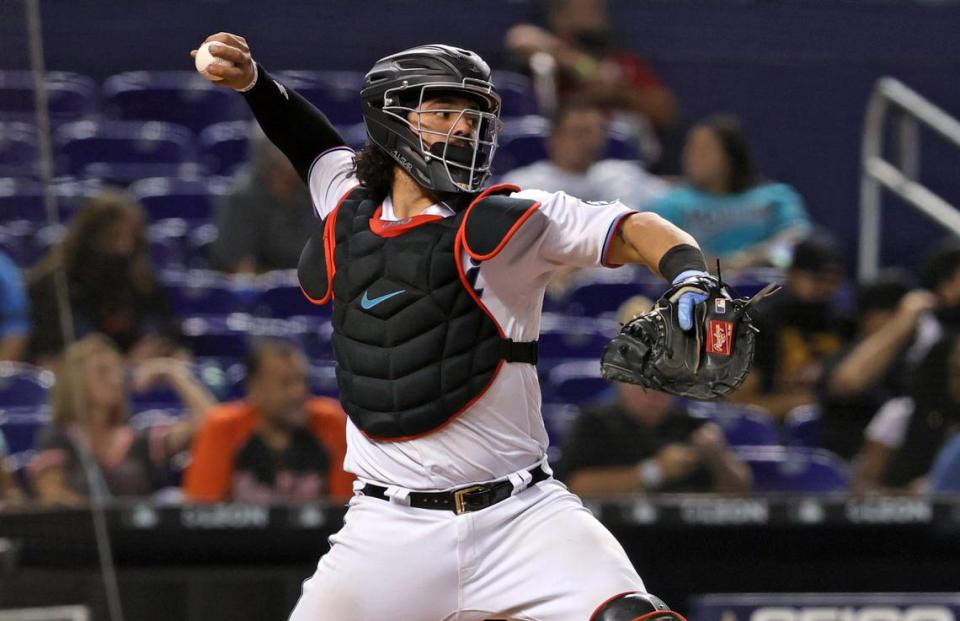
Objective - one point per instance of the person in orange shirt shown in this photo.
(277, 445)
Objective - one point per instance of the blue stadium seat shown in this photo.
(70, 96)
(202, 293)
(24, 385)
(336, 93)
(144, 419)
(181, 97)
(565, 336)
(216, 336)
(576, 382)
(224, 146)
(164, 198)
(124, 151)
(742, 425)
(593, 299)
(21, 426)
(802, 426)
(516, 94)
(18, 150)
(794, 469)
(523, 142)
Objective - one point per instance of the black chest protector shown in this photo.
(414, 344)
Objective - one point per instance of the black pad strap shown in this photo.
(312, 268)
(513, 351)
(492, 220)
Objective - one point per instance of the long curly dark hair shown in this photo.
(374, 169)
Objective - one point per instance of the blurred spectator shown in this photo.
(940, 275)
(799, 330)
(645, 441)
(14, 312)
(111, 284)
(578, 137)
(906, 434)
(90, 424)
(10, 493)
(725, 205)
(590, 63)
(264, 222)
(873, 368)
(279, 444)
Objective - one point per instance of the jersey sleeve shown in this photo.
(330, 177)
(575, 233)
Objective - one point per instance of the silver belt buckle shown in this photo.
(458, 501)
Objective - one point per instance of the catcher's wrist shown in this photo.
(679, 259)
(651, 474)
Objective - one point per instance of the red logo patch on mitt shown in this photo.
(719, 337)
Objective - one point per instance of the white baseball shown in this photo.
(204, 59)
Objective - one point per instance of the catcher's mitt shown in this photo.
(707, 362)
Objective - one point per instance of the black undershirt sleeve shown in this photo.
(292, 123)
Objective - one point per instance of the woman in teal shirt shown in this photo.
(725, 205)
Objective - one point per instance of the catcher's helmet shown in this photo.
(400, 83)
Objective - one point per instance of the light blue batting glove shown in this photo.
(689, 299)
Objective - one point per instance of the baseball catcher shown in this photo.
(696, 342)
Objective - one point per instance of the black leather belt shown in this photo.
(463, 500)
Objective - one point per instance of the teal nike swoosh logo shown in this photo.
(366, 303)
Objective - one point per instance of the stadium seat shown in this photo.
(523, 142)
(24, 385)
(802, 426)
(336, 93)
(565, 336)
(21, 427)
(576, 382)
(201, 293)
(742, 425)
(70, 96)
(181, 97)
(224, 146)
(164, 198)
(18, 150)
(124, 151)
(141, 420)
(516, 94)
(794, 469)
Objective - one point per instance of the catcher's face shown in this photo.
(436, 119)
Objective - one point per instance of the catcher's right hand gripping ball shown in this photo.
(707, 362)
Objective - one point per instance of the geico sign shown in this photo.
(865, 613)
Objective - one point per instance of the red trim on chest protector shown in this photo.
(329, 242)
(506, 238)
(395, 228)
(643, 617)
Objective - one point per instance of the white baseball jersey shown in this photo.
(503, 431)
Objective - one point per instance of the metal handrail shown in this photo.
(878, 173)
